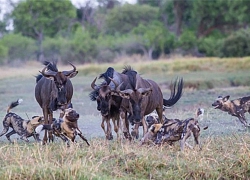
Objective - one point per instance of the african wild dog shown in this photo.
(66, 128)
(24, 128)
(237, 107)
(173, 130)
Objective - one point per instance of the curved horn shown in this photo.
(93, 85)
(118, 89)
(48, 73)
(67, 73)
(116, 85)
(143, 90)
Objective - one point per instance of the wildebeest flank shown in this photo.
(145, 97)
(53, 91)
(237, 107)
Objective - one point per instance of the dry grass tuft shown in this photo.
(220, 158)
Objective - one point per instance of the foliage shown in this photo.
(187, 40)
(124, 19)
(3, 53)
(84, 46)
(32, 17)
(237, 44)
(18, 47)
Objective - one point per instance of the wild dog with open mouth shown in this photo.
(24, 128)
(65, 128)
(173, 130)
(237, 107)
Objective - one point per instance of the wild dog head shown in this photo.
(221, 102)
(151, 134)
(71, 115)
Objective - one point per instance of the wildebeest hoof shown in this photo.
(110, 137)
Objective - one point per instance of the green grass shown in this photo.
(225, 153)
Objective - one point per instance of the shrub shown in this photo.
(19, 47)
(237, 44)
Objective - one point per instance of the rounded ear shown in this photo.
(124, 95)
(226, 98)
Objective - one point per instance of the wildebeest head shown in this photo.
(220, 102)
(60, 79)
(71, 115)
(103, 96)
(135, 98)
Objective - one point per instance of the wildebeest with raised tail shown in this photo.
(53, 91)
(145, 97)
(112, 106)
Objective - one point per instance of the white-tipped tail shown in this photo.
(20, 101)
(39, 129)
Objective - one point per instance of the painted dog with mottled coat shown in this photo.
(24, 128)
(237, 107)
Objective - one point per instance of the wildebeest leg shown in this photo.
(159, 111)
(51, 139)
(125, 125)
(107, 131)
(9, 134)
(145, 127)
(46, 121)
(135, 131)
(115, 121)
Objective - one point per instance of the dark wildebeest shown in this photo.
(112, 106)
(53, 91)
(237, 107)
(145, 97)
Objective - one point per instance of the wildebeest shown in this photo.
(112, 106)
(145, 97)
(53, 91)
(24, 128)
(237, 107)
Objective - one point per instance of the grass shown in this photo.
(225, 153)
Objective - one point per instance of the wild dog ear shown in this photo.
(124, 95)
(226, 98)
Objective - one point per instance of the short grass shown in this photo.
(225, 143)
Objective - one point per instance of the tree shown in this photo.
(124, 18)
(37, 19)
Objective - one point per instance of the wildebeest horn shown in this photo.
(48, 73)
(142, 90)
(118, 88)
(67, 73)
(93, 85)
(116, 85)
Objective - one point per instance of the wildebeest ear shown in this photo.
(73, 74)
(226, 98)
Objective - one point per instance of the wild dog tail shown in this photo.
(42, 127)
(14, 104)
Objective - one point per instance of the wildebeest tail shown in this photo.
(176, 92)
(14, 104)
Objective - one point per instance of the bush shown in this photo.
(58, 48)
(237, 44)
(19, 47)
(187, 40)
(3, 53)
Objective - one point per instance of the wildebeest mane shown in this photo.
(93, 94)
(107, 75)
(128, 70)
(51, 65)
